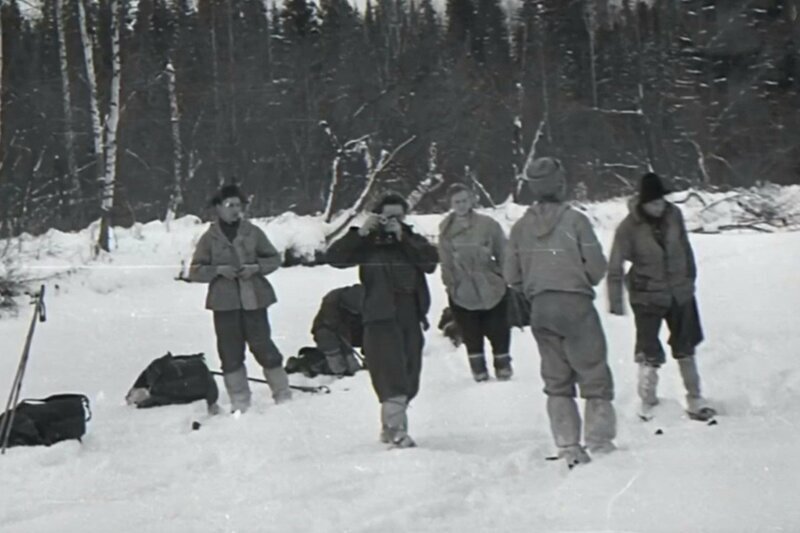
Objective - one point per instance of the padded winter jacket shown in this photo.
(376, 262)
(658, 273)
(472, 250)
(553, 248)
(250, 246)
(340, 312)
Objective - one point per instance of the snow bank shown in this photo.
(302, 239)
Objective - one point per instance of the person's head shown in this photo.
(546, 179)
(651, 195)
(229, 203)
(461, 198)
(391, 206)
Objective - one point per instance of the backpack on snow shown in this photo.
(38, 422)
(310, 361)
(174, 379)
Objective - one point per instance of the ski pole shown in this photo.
(16, 386)
(312, 389)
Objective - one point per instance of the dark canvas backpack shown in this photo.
(174, 379)
(310, 361)
(48, 420)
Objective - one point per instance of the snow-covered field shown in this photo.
(315, 465)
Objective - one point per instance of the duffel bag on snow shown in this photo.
(174, 379)
(49, 420)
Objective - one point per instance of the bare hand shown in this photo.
(227, 272)
(248, 271)
(369, 225)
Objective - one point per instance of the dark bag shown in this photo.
(49, 420)
(449, 327)
(310, 361)
(519, 309)
(174, 379)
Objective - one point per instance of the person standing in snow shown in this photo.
(555, 259)
(661, 283)
(392, 261)
(471, 250)
(338, 328)
(234, 257)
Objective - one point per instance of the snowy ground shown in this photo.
(315, 465)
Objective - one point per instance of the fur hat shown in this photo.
(228, 191)
(651, 188)
(546, 178)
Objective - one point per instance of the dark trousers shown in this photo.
(329, 341)
(393, 351)
(572, 346)
(683, 321)
(475, 325)
(235, 328)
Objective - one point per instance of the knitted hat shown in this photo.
(651, 188)
(546, 178)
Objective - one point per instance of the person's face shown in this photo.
(230, 209)
(655, 208)
(391, 216)
(461, 202)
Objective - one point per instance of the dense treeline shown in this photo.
(282, 96)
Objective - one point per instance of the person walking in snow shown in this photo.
(338, 328)
(471, 250)
(661, 283)
(392, 261)
(234, 257)
(555, 258)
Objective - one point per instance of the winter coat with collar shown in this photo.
(553, 248)
(472, 251)
(659, 271)
(377, 260)
(250, 246)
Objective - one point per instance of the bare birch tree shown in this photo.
(176, 197)
(66, 99)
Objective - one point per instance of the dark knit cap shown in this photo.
(546, 179)
(651, 188)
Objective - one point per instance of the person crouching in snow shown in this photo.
(472, 249)
(233, 256)
(338, 328)
(555, 259)
(661, 283)
(392, 261)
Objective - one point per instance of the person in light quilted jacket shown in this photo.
(471, 250)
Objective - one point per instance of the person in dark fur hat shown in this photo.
(661, 284)
(234, 257)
